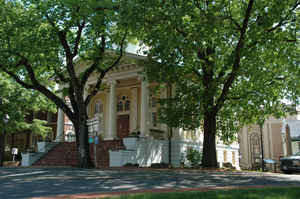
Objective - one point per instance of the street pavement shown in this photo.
(38, 182)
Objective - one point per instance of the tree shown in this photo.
(17, 102)
(46, 40)
(226, 58)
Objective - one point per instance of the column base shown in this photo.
(59, 139)
(109, 139)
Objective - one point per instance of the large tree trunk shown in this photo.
(84, 149)
(83, 135)
(209, 156)
(2, 143)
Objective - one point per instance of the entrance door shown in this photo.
(123, 126)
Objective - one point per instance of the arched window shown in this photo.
(98, 108)
(123, 104)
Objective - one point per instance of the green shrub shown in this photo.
(193, 157)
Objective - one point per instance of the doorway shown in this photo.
(123, 126)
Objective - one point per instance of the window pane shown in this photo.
(154, 119)
(154, 102)
(98, 107)
(224, 156)
(233, 158)
(127, 105)
(120, 106)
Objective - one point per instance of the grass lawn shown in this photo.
(265, 193)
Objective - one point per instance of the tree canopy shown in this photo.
(18, 103)
(228, 59)
(47, 40)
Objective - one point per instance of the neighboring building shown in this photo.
(280, 138)
(26, 140)
(291, 135)
(126, 105)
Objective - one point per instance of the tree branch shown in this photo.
(198, 74)
(60, 76)
(236, 64)
(196, 2)
(282, 21)
(113, 8)
(37, 86)
(174, 4)
(93, 67)
(78, 37)
(72, 98)
(16, 78)
(234, 22)
(103, 72)
(62, 35)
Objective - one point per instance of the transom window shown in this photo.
(123, 104)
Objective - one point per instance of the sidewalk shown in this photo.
(202, 189)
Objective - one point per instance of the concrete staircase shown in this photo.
(66, 154)
(63, 154)
(29, 159)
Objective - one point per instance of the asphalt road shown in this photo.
(36, 182)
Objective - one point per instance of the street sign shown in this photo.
(14, 151)
(96, 140)
(91, 140)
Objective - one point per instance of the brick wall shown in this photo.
(65, 154)
(103, 151)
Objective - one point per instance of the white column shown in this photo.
(106, 114)
(284, 138)
(133, 109)
(144, 108)
(112, 121)
(60, 126)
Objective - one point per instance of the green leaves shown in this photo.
(194, 45)
(18, 103)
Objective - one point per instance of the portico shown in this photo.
(122, 106)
